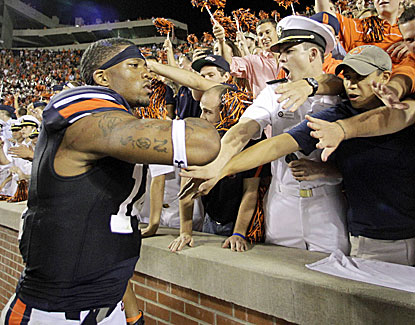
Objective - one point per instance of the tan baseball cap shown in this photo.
(366, 59)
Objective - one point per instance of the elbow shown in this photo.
(202, 141)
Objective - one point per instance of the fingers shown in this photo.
(396, 50)
(186, 188)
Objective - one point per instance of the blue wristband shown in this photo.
(238, 234)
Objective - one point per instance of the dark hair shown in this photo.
(22, 111)
(97, 54)
(407, 15)
(266, 20)
(308, 45)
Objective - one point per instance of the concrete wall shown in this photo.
(210, 285)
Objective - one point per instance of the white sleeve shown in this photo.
(262, 109)
(157, 170)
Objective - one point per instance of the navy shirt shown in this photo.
(186, 106)
(378, 174)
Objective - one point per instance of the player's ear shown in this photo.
(100, 78)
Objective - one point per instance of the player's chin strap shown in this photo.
(178, 137)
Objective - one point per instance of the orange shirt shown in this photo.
(351, 36)
(330, 64)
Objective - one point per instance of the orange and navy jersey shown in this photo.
(73, 104)
(352, 34)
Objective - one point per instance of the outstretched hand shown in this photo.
(387, 96)
(329, 134)
(236, 244)
(201, 180)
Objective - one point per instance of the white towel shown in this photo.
(385, 274)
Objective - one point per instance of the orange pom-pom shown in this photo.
(226, 22)
(192, 39)
(163, 25)
(263, 15)
(286, 3)
(247, 20)
(207, 38)
(208, 3)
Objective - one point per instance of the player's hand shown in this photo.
(150, 230)
(218, 31)
(180, 242)
(398, 50)
(21, 152)
(307, 170)
(387, 96)
(329, 134)
(236, 244)
(295, 93)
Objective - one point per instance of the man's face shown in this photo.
(210, 105)
(211, 72)
(17, 135)
(294, 60)
(130, 79)
(3, 116)
(26, 130)
(389, 7)
(408, 34)
(267, 35)
(359, 90)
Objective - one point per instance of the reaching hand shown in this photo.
(398, 50)
(180, 242)
(329, 134)
(202, 180)
(387, 96)
(296, 93)
(236, 243)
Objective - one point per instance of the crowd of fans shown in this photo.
(30, 77)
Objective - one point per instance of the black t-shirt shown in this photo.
(223, 201)
(186, 106)
(378, 174)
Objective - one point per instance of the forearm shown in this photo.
(225, 50)
(181, 76)
(235, 140)
(8, 179)
(156, 199)
(378, 121)
(247, 207)
(186, 212)
(170, 58)
(3, 158)
(260, 154)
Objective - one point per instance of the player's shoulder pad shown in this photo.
(73, 104)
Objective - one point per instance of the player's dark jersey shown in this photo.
(81, 240)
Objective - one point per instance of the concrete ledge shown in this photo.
(270, 279)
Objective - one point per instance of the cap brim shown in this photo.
(276, 46)
(199, 64)
(360, 67)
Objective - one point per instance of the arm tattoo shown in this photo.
(107, 123)
(140, 143)
(160, 147)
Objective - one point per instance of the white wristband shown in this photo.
(178, 137)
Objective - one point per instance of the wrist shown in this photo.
(239, 235)
(313, 86)
(341, 126)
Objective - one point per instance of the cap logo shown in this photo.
(279, 31)
(209, 58)
(325, 19)
(356, 50)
